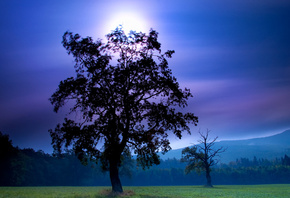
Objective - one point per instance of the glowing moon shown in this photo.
(129, 20)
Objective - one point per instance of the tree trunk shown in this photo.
(208, 177)
(114, 176)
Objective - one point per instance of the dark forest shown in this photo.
(26, 167)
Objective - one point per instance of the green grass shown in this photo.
(228, 191)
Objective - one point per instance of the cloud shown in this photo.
(233, 55)
(236, 108)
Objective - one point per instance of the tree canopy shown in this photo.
(127, 97)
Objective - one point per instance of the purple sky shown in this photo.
(233, 55)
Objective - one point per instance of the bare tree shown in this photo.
(201, 157)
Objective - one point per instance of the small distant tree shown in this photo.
(200, 158)
(127, 98)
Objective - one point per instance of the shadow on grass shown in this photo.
(107, 193)
(149, 196)
(126, 196)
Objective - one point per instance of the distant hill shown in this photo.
(267, 147)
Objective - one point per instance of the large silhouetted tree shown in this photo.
(127, 98)
(201, 157)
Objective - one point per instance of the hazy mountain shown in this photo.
(266, 147)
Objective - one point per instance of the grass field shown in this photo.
(252, 191)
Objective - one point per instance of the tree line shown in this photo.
(26, 167)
